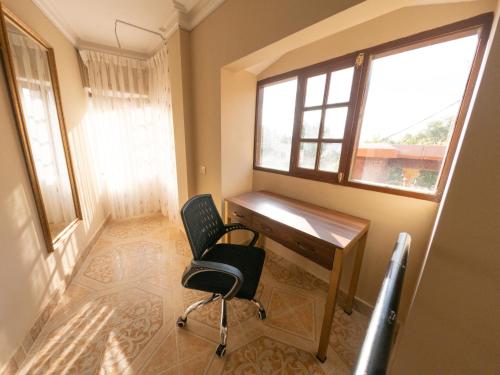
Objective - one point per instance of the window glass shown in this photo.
(315, 90)
(329, 158)
(307, 155)
(410, 112)
(310, 124)
(335, 122)
(276, 125)
(340, 86)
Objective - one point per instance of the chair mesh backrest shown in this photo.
(202, 223)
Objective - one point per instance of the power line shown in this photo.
(420, 121)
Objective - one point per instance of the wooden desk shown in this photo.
(319, 234)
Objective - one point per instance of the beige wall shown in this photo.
(28, 274)
(235, 29)
(180, 84)
(237, 128)
(394, 25)
(389, 214)
(453, 326)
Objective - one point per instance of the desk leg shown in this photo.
(360, 249)
(331, 300)
(227, 220)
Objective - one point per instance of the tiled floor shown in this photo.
(118, 316)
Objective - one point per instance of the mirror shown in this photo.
(30, 68)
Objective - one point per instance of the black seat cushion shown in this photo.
(249, 260)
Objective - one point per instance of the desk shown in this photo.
(319, 234)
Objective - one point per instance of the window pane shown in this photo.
(335, 122)
(276, 128)
(307, 156)
(330, 157)
(410, 112)
(340, 86)
(315, 90)
(310, 124)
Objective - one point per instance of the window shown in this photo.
(387, 118)
(412, 103)
(324, 117)
(274, 136)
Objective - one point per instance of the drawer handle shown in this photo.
(238, 215)
(302, 247)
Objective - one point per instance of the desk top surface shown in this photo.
(334, 227)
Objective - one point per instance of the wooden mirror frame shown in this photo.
(8, 65)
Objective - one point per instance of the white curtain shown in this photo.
(129, 118)
(42, 123)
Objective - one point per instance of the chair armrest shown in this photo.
(200, 266)
(238, 226)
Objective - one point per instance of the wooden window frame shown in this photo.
(361, 61)
(300, 108)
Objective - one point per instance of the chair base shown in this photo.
(181, 322)
(221, 349)
(262, 311)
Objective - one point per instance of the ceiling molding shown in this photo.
(188, 19)
(200, 11)
(181, 17)
(178, 5)
(50, 11)
(175, 20)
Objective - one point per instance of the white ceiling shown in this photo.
(92, 22)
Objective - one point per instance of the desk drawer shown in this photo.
(312, 249)
(238, 214)
(299, 242)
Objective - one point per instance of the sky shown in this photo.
(408, 87)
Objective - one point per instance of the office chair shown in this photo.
(225, 270)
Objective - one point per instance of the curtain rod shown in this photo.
(117, 21)
(113, 52)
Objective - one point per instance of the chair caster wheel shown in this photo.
(181, 322)
(221, 350)
(262, 314)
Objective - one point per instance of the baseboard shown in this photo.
(87, 249)
(21, 352)
(318, 271)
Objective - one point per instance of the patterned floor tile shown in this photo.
(117, 316)
(74, 296)
(136, 227)
(268, 356)
(289, 274)
(123, 262)
(348, 332)
(164, 358)
(292, 313)
(108, 332)
(180, 352)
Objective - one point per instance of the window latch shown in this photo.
(359, 60)
(340, 177)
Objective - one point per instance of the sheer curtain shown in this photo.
(130, 122)
(40, 113)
